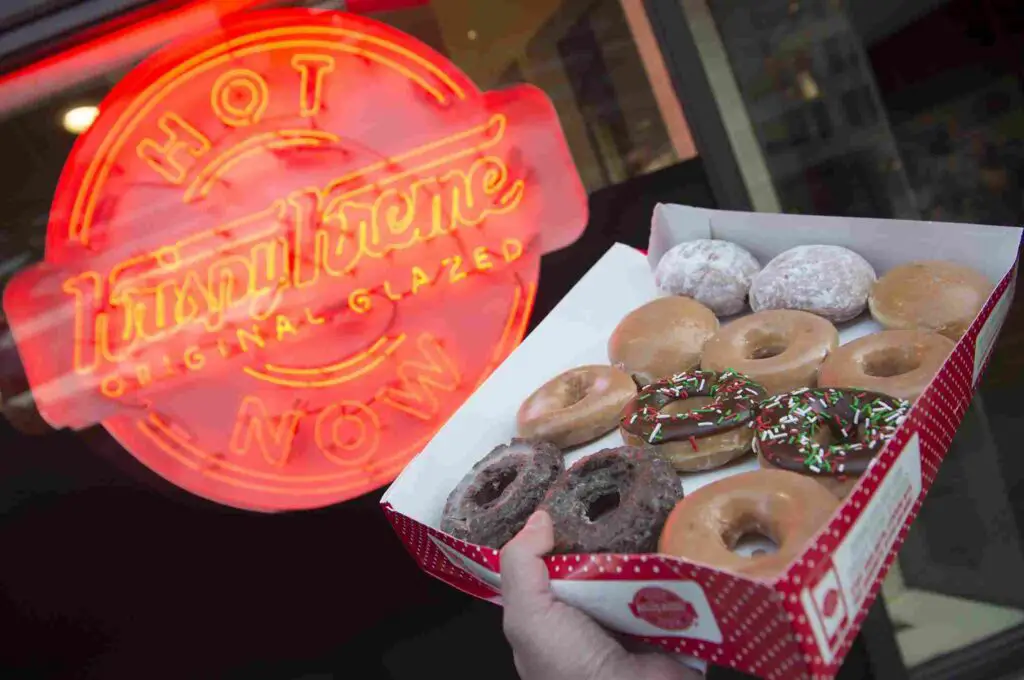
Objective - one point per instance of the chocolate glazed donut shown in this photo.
(700, 438)
(493, 501)
(615, 500)
(830, 435)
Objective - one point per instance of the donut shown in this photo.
(932, 295)
(615, 500)
(715, 273)
(661, 338)
(829, 434)
(830, 281)
(493, 501)
(898, 363)
(780, 349)
(786, 508)
(576, 406)
(701, 438)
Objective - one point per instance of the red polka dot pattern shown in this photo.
(764, 626)
(752, 620)
(935, 418)
(416, 538)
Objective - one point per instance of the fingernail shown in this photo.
(539, 518)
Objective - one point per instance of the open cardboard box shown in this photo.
(802, 623)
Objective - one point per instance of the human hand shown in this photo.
(551, 640)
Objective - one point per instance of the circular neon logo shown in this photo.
(285, 253)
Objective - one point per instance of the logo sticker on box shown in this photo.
(663, 609)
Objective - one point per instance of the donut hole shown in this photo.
(599, 484)
(750, 538)
(575, 390)
(493, 483)
(766, 352)
(686, 405)
(890, 363)
(760, 344)
(600, 503)
(831, 435)
(755, 544)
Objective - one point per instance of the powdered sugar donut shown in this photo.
(830, 281)
(715, 273)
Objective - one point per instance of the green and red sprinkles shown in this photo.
(736, 399)
(789, 427)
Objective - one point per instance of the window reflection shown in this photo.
(811, 98)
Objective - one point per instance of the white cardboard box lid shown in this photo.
(576, 331)
(883, 243)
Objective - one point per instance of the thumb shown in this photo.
(524, 576)
(662, 667)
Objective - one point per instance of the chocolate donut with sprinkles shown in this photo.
(697, 420)
(829, 434)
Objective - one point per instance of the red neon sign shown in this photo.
(287, 252)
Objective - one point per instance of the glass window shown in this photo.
(584, 54)
(908, 109)
(810, 94)
(599, 63)
(597, 60)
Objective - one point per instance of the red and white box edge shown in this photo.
(802, 624)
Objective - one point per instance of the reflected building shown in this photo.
(811, 97)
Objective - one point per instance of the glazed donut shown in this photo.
(780, 349)
(897, 363)
(701, 438)
(933, 295)
(713, 272)
(661, 338)
(576, 406)
(493, 501)
(829, 434)
(830, 281)
(789, 509)
(615, 500)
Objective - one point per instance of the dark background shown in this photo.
(107, 571)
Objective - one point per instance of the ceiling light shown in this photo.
(80, 119)
(808, 87)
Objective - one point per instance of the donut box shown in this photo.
(802, 623)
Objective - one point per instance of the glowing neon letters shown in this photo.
(312, 234)
(287, 252)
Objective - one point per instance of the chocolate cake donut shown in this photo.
(615, 500)
(493, 501)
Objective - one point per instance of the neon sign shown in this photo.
(286, 253)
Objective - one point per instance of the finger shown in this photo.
(524, 576)
(660, 667)
(635, 646)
